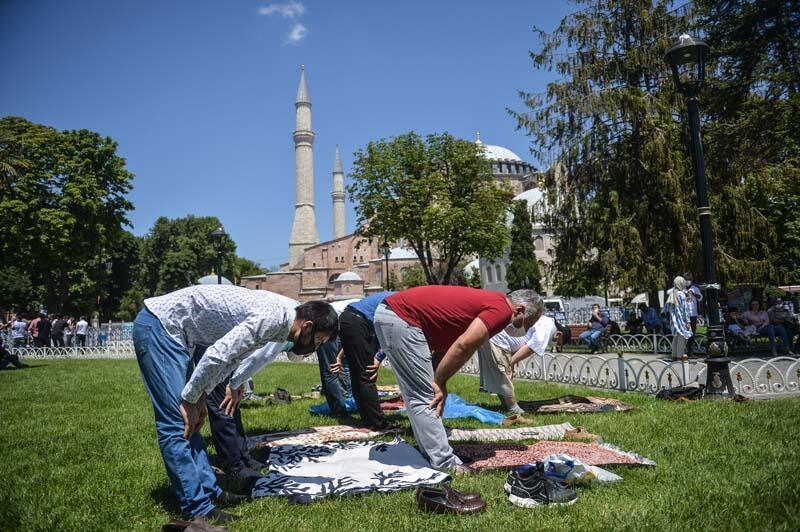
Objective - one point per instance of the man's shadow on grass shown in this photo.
(164, 497)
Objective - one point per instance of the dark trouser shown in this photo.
(227, 432)
(690, 342)
(336, 387)
(81, 339)
(58, 340)
(360, 345)
(41, 341)
(19, 342)
(7, 358)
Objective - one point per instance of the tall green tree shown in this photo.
(523, 268)
(623, 209)
(752, 134)
(436, 194)
(63, 206)
(176, 253)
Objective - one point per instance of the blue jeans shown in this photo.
(771, 330)
(337, 388)
(590, 336)
(166, 367)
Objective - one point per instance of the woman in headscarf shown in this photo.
(679, 318)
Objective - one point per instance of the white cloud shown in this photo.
(296, 34)
(290, 9)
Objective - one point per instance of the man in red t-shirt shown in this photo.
(449, 320)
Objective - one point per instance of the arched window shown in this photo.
(499, 272)
(490, 274)
(347, 289)
(539, 243)
(336, 260)
(258, 286)
(313, 264)
(332, 278)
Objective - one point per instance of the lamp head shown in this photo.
(687, 59)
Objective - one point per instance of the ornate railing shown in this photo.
(753, 377)
(108, 334)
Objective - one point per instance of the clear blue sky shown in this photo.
(200, 95)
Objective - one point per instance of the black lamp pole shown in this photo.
(386, 249)
(218, 234)
(687, 59)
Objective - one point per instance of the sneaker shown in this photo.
(528, 487)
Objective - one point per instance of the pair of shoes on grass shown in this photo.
(528, 487)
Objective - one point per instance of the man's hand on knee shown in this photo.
(194, 415)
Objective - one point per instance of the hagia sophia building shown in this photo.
(350, 266)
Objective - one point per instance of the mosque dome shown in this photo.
(499, 153)
(349, 276)
(505, 162)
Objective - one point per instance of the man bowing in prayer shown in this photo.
(233, 322)
(451, 320)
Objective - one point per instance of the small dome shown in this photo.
(349, 276)
(212, 279)
(532, 196)
(499, 153)
(402, 253)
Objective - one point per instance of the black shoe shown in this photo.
(227, 499)
(527, 486)
(218, 516)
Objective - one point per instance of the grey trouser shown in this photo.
(493, 364)
(678, 346)
(407, 349)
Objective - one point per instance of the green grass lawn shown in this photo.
(79, 453)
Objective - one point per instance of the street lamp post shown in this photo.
(386, 250)
(218, 234)
(687, 59)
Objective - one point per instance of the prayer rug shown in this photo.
(316, 435)
(345, 468)
(546, 432)
(508, 455)
(576, 404)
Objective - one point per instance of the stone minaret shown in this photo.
(338, 197)
(304, 228)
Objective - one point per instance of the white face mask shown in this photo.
(514, 332)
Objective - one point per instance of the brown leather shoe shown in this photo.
(445, 500)
(467, 496)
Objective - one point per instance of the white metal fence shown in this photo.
(753, 377)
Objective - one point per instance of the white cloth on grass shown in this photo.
(345, 468)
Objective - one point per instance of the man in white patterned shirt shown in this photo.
(234, 323)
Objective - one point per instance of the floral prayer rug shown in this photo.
(575, 404)
(509, 455)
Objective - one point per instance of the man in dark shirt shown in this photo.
(43, 337)
(597, 323)
(59, 324)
